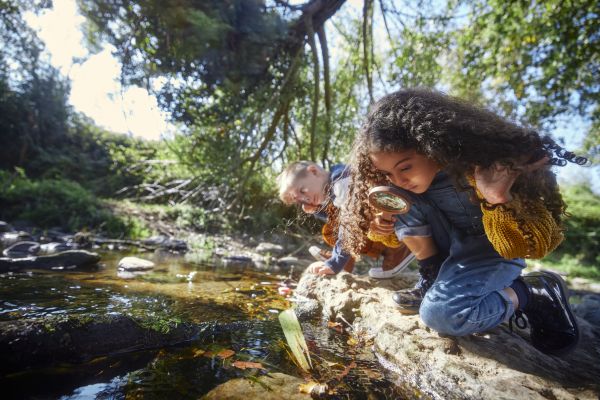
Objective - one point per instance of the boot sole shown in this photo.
(565, 293)
(405, 311)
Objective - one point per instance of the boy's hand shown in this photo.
(309, 208)
(320, 268)
(382, 226)
(495, 182)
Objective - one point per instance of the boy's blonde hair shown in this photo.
(287, 178)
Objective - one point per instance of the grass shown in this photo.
(571, 266)
(50, 203)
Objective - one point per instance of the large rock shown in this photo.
(237, 262)
(75, 339)
(9, 238)
(168, 243)
(496, 364)
(55, 339)
(270, 249)
(5, 227)
(21, 249)
(56, 247)
(135, 264)
(275, 386)
(66, 260)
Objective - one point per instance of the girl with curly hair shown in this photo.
(482, 198)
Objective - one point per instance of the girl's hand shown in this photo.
(495, 182)
(320, 268)
(381, 225)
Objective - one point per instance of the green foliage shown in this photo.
(540, 55)
(49, 203)
(582, 238)
(216, 46)
(572, 266)
(238, 78)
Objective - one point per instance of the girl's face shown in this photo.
(406, 169)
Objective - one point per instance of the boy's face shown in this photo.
(309, 190)
(406, 169)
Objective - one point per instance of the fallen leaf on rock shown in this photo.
(198, 353)
(247, 364)
(336, 326)
(346, 370)
(313, 388)
(332, 364)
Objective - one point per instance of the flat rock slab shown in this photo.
(275, 386)
(65, 260)
(39, 342)
(495, 365)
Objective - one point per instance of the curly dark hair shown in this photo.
(458, 136)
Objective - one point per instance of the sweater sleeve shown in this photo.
(338, 259)
(520, 229)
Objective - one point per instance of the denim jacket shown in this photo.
(442, 211)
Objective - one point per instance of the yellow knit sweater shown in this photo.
(390, 240)
(520, 229)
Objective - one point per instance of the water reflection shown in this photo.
(174, 289)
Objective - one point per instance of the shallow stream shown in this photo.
(245, 303)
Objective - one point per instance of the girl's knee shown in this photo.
(440, 317)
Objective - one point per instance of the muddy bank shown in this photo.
(497, 364)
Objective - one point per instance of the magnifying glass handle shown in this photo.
(388, 217)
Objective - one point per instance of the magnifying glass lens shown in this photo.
(388, 199)
(391, 202)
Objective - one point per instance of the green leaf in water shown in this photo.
(295, 338)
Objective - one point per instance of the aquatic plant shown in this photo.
(295, 338)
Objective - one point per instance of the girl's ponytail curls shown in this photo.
(562, 155)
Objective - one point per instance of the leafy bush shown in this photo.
(48, 203)
(582, 238)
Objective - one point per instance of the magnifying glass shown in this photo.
(389, 201)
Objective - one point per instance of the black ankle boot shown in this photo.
(409, 300)
(553, 327)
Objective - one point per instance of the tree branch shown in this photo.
(326, 72)
(367, 22)
(316, 77)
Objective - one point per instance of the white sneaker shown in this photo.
(319, 254)
(379, 273)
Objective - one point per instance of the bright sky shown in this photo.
(96, 90)
(95, 87)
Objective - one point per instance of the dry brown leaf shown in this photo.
(247, 364)
(225, 353)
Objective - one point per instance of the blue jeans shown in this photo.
(467, 296)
